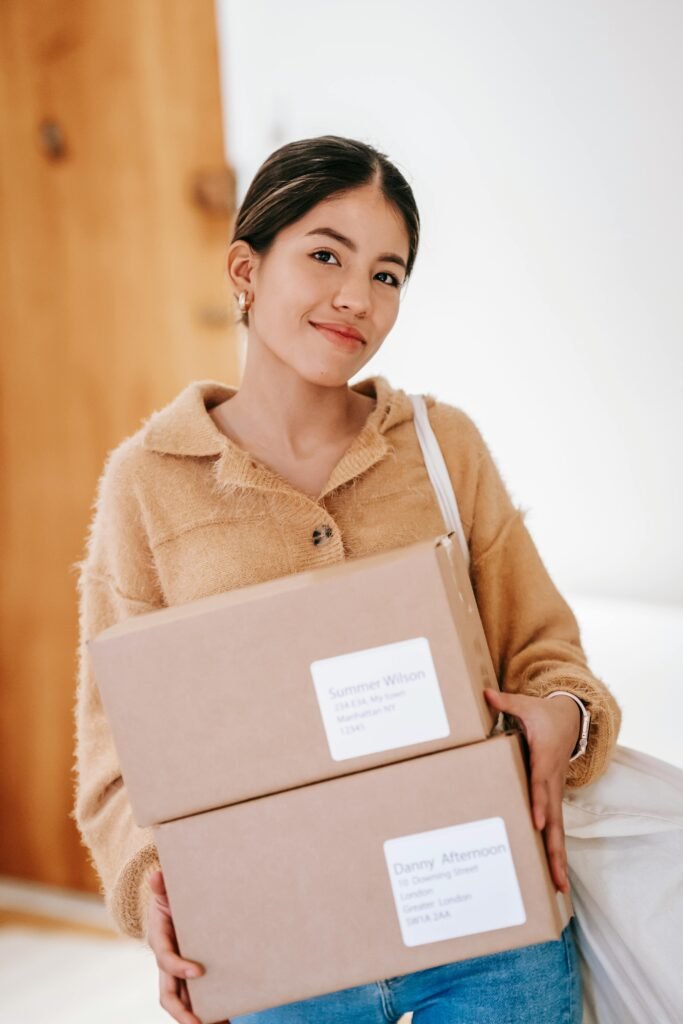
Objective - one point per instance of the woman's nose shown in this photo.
(354, 297)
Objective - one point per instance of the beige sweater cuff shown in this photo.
(128, 902)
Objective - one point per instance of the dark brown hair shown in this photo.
(300, 174)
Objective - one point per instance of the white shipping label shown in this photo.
(454, 881)
(379, 698)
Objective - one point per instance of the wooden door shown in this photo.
(116, 205)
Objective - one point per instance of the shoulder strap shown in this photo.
(438, 472)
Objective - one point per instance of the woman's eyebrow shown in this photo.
(387, 257)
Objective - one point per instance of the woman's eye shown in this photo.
(395, 283)
(323, 252)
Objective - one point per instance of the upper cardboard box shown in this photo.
(295, 680)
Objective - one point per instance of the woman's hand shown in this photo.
(173, 994)
(551, 728)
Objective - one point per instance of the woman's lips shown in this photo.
(342, 340)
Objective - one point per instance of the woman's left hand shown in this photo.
(551, 728)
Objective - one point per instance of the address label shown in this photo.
(454, 881)
(379, 698)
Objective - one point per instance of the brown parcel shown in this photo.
(295, 894)
(294, 680)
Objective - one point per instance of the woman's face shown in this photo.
(310, 277)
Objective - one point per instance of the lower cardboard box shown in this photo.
(360, 878)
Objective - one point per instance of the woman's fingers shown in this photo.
(163, 942)
(159, 895)
(174, 996)
(554, 836)
(165, 947)
(156, 883)
(184, 995)
(169, 961)
(156, 880)
(547, 788)
(545, 734)
(539, 798)
(516, 704)
(170, 1001)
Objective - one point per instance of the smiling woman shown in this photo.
(298, 469)
(348, 292)
(296, 180)
(315, 315)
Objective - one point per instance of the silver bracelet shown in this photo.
(582, 741)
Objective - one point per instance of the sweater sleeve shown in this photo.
(532, 633)
(115, 579)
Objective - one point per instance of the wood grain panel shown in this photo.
(113, 297)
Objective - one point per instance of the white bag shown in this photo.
(624, 841)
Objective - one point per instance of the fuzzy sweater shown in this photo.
(181, 512)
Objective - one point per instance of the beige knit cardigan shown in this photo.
(181, 511)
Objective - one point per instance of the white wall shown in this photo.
(544, 146)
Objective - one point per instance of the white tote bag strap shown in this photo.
(438, 473)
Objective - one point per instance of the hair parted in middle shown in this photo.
(300, 174)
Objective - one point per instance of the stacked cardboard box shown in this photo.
(331, 802)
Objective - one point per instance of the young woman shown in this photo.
(297, 469)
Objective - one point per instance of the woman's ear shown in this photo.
(241, 266)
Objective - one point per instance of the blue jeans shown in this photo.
(529, 985)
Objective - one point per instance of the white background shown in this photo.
(543, 143)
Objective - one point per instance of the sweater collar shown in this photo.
(184, 427)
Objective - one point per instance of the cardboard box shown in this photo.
(302, 678)
(296, 894)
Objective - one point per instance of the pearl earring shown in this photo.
(243, 302)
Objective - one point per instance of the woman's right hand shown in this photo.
(173, 970)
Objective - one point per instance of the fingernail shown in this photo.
(192, 972)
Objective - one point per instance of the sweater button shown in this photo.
(322, 534)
